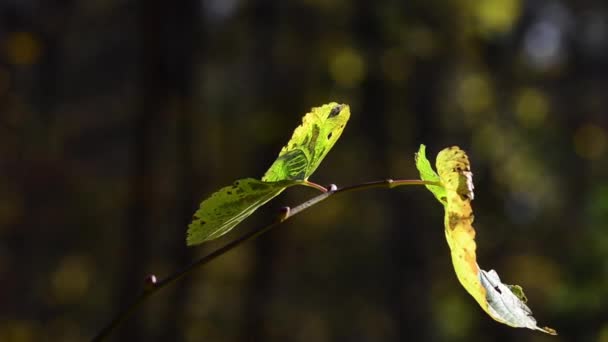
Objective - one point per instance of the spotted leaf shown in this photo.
(504, 303)
(310, 143)
(229, 206)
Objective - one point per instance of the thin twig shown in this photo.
(152, 286)
(314, 185)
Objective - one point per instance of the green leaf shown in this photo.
(518, 292)
(428, 174)
(229, 206)
(504, 303)
(310, 143)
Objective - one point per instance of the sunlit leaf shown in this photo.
(229, 206)
(428, 174)
(455, 172)
(504, 303)
(310, 143)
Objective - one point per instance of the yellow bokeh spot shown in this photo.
(531, 107)
(347, 68)
(71, 279)
(491, 141)
(22, 48)
(590, 141)
(453, 322)
(603, 334)
(475, 94)
(18, 331)
(497, 16)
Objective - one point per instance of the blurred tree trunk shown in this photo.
(50, 66)
(169, 37)
(404, 246)
(414, 254)
(135, 249)
(184, 30)
(265, 23)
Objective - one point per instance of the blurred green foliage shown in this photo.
(118, 117)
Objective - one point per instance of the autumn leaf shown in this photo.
(229, 206)
(504, 303)
(309, 144)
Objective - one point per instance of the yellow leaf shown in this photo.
(455, 174)
(310, 143)
(504, 303)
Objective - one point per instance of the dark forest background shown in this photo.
(118, 116)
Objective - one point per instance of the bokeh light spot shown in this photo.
(22, 48)
(603, 334)
(453, 323)
(497, 16)
(62, 328)
(543, 45)
(475, 93)
(590, 141)
(70, 280)
(18, 331)
(531, 107)
(490, 141)
(347, 68)
(218, 10)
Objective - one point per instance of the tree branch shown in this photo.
(152, 286)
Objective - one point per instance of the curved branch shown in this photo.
(152, 285)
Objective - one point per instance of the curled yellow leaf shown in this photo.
(504, 303)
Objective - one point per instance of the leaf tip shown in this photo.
(548, 330)
(421, 152)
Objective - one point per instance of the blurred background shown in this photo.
(118, 116)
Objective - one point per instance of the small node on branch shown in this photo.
(332, 187)
(283, 213)
(150, 282)
(389, 181)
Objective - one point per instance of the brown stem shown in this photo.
(151, 287)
